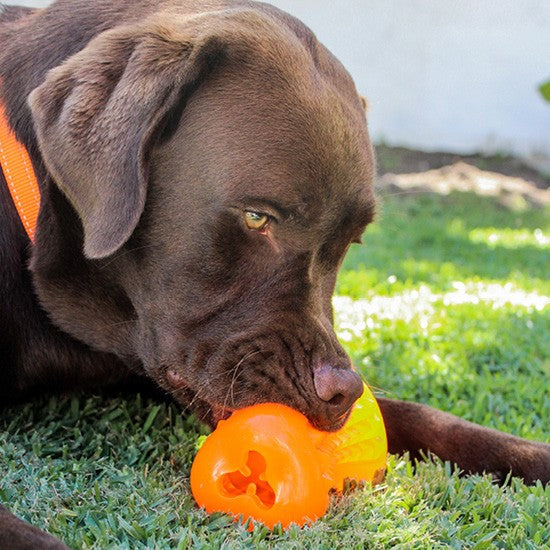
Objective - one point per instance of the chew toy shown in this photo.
(267, 462)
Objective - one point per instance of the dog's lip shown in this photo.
(175, 379)
(178, 383)
(333, 425)
(223, 412)
(220, 412)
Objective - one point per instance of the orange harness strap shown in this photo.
(18, 171)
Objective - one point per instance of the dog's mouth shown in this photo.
(285, 366)
(211, 412)
(330, 426)
(214, 413)
(208, 412)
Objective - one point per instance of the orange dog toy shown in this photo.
(268, 463)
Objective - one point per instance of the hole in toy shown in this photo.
(236, 483)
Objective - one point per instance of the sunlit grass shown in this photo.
(510, 238)
(353, 317)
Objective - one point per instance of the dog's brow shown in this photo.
(365, 212)
(359, 210)
(276, 206)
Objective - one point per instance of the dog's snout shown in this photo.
(340, 388)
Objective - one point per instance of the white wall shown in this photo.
(29, 3)
(441, 74)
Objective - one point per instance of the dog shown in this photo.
(203, 167)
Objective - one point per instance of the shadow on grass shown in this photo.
(429, 238)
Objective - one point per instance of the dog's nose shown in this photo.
(340, 388)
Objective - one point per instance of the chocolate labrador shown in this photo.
(203, 167)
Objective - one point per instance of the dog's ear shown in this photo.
(96, 116)
(364, 102)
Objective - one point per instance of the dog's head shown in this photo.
(218, 167)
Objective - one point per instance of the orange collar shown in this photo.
(18, 171)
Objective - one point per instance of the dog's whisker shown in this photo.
(382, 195)
(231, 389)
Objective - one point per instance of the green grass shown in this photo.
(447, 303)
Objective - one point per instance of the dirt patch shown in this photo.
(509, 180)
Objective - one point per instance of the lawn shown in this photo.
(447, 302)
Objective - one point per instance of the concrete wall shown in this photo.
(441, 74)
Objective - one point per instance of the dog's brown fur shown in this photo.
(154, 126)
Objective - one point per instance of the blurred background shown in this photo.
(442, 75)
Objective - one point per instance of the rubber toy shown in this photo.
(267, 462)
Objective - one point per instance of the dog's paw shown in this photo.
(19, 535)
(532, 463)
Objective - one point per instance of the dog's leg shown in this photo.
(16, 534)
(414, 428)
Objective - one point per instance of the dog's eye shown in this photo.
(255, 220)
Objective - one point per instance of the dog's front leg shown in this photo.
(16, 534)
(418, 428)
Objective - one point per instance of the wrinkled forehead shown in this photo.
(290, 135)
